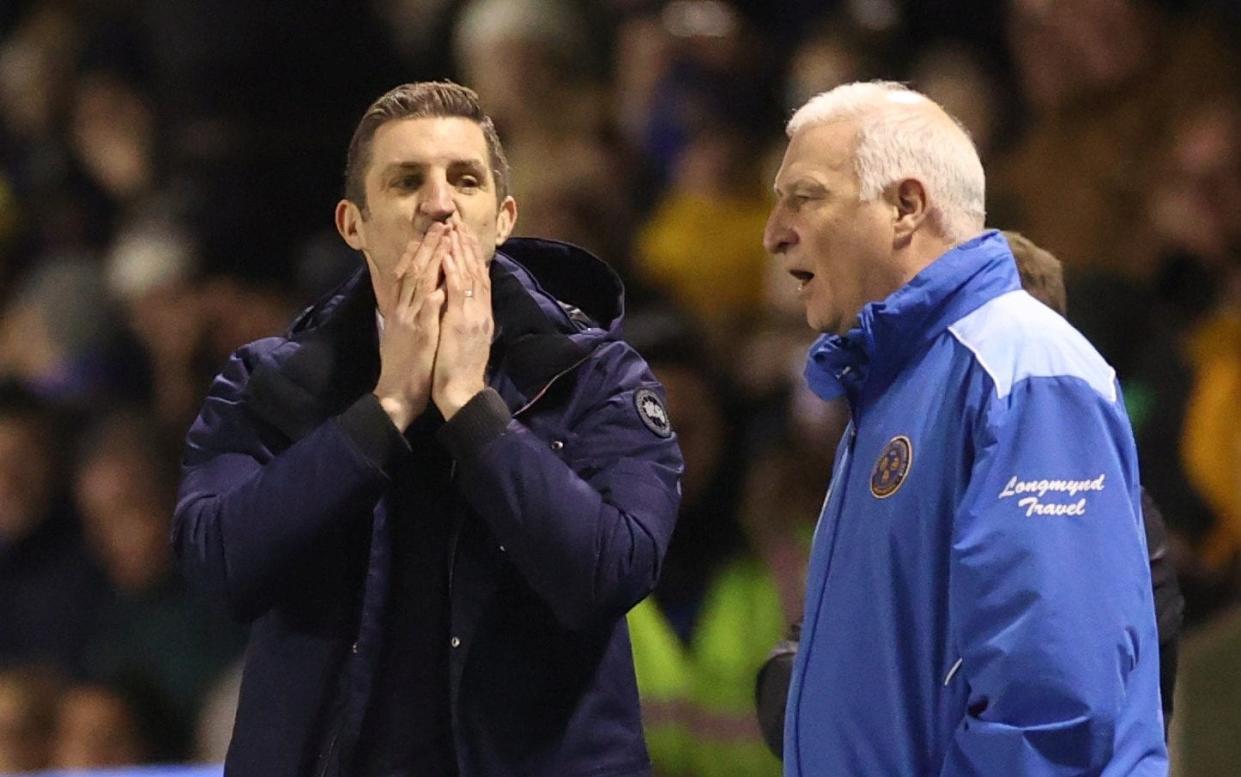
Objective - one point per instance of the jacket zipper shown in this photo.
(331, 749)
(839, 478)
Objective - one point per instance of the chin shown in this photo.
(819, 322)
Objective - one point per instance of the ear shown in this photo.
(348, 219)
(910, 207)
(506, 219)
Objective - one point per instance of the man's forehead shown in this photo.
(430, 140)
(831, 142)
(819, 149)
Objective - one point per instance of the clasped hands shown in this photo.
(437, 331)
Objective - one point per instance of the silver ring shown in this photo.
(469, 292)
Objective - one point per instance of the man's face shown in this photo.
(25, 478)
(422, 171)
(836, 247)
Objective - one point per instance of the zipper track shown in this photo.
(839, 479)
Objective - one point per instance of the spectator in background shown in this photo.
(152, 272)
(1212, 435)
(109, 724)
(1104, 81)
(697, 246)
(48, 206)
(152, 627)
(49, 589)
(700, 637)
(531, 59)
(60, 337)
(956, 78)
(837, 53)
(113, 134)
(28, 698)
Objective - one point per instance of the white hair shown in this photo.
(897, 138)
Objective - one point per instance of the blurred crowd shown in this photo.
(168, 170)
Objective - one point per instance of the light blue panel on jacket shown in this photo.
(1050, 346)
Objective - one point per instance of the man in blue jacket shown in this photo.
(439, 493)
(979, 600)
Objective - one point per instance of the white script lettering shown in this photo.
(1041, 487)
(1035, 507)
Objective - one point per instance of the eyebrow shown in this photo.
(470, 165)
(807, 185)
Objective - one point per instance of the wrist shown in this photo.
(452, 398)
(401, 412)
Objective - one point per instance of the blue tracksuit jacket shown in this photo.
(979, 601)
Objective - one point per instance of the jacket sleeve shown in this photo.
(771, 690)
(1050, 603)
(246, 516)
(586, 524)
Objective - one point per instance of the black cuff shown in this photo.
(771, 695)
(481, 420)
(372, 432)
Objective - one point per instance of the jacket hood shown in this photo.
(576, 278)
(890, 330)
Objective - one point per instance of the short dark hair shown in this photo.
(421, 100)
(1041, 273)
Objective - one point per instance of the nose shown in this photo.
(437, 202)
(777, 236)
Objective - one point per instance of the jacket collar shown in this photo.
(889, 331)
(331, 355)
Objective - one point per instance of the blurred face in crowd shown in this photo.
(25, 477)
(96, 728)
(700, 425)
(125, 517)
(27, 713)
(422, 171)
(836, 247)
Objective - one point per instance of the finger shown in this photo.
(429, 277)
(428, 316)
(460, 258)
(424, 249)
(455, 282)
(482, 278)
(407, 258)
(434, 270)
(409, 269)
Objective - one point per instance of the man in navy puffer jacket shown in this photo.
(439, 493)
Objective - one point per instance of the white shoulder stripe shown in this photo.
(1015, 337)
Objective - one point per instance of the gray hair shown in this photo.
(901, 136)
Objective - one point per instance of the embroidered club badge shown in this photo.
(893, 465)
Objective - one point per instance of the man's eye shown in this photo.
(407, 182)
(469, 182)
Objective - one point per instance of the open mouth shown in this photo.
(802, 277)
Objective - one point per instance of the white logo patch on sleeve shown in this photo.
(651, 410)
(1033, 495)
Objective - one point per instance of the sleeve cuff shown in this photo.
(481, 420)
(372, 433)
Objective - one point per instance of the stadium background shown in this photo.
(168, 170)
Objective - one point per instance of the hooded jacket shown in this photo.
(979, 599)
(564, 491)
